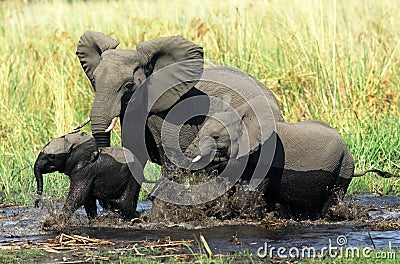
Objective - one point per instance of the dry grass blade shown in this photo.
(11, 247)
(169, 244)
(76, 240)
(179, 256)
(137, 251)
(206, 246)
(97, 258)
(69, 262)
(58, 249)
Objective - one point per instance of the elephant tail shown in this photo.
(381, 173)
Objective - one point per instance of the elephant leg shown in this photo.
(338, 192)
(269, 199)
(79, 193)
(127, 210)
(105, 204)
(128, 201)
(91, 208)
(342, 182)
(123, 208)
(301, 194)
(271, 187)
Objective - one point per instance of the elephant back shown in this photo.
(220, 80)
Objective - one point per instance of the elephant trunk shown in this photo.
(100, 122)
(37, 170)
(192, 152)
(107, 103)
(102, 138)
(206, 147)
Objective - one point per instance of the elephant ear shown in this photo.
(259, 123)
(74, 139)
(82, 151)
(90, 47)
(218, 105)
(181, 65)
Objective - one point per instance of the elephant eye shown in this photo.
(128, 86)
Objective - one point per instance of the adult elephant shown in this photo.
(116, 74)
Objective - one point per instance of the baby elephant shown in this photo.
(95, 173)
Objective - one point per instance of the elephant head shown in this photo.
(115, 73)
(232, 133)
(59, 155)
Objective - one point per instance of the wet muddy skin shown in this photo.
(370, 211)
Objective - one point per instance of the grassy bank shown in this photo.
(336, 61)
(109, 255)
(92, 250)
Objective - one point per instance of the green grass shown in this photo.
(20, 256)
(336, 61)
(112, 256)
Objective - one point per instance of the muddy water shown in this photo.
(19, 225)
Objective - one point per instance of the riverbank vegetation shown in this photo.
(337, 61)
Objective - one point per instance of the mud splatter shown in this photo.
(346, 208)
(235, 204)
(53, 221)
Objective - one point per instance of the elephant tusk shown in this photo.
(197, 158)
(82, 124)
(111, 126)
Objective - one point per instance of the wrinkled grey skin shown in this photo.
(95, 173)
(116, 74)
(311, 164)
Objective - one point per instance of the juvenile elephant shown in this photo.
(310, 162)
(95, 173)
